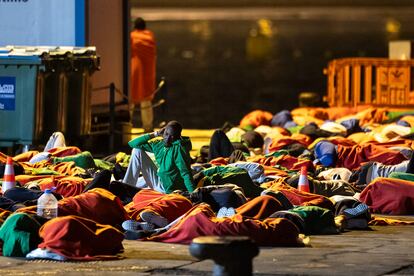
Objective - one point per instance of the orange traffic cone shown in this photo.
(303, 184)
(8, 179)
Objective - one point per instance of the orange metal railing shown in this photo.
(370, 81)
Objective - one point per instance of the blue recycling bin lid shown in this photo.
(10, 55)
(20, 60)
(22, 55)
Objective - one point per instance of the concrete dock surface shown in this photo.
(382, 250)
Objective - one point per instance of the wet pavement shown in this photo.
(382, 250)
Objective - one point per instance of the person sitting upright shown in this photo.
(172, 171)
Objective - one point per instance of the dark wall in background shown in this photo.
(213, 77)
(232, 3)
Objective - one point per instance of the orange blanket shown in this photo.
(25, 156)
(64, 151)
(260, 207)
(381, 221)
(256, 118)
(281, 143)
(143, 60)
(170, 206)
(3, 215)
(64, 169)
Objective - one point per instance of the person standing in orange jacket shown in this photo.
(143, 66)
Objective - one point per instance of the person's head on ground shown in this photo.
(253, 139)
(140, 24)
(171, 132)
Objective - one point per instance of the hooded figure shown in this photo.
(172, 170)
(143, 67)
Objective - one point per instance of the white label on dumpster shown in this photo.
(7, 93)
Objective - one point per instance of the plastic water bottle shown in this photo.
(47, 205)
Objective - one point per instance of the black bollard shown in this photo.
(232, 255)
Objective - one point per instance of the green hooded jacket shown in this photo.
(173, 162)
(20, 235)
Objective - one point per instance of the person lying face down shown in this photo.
(221, 146)
(372, 170)
(172, 168)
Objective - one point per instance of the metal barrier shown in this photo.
(110, 127)
(369, 81)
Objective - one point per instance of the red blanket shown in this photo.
(81, 239)
(297, 197)
(287, 161)
(97, 204)
(389, 196)
(352, 157)
(66, 186)
(201, 221)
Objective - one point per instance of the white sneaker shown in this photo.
(154, 218)
(226, 212)
(135, 226)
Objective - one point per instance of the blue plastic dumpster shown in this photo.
(20, 99)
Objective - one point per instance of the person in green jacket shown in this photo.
(171, 170)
